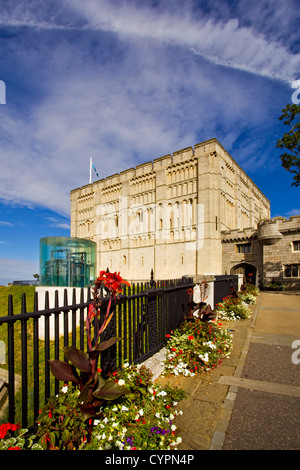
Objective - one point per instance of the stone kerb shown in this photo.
(51, 290)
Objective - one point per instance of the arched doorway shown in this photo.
(248, 271)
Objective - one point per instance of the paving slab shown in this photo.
(266, 409)
(263, 421)
(252, 401)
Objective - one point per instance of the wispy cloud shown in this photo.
(132, 84)
(55, 222)
(5, 223)
(17, 270)
(293, 212)
(226, 43)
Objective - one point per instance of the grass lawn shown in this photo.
(16, 292)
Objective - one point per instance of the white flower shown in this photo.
(173, 427)
(121, 382)
(124, 408)
(119, 444)
(141, 412)
(96, 422)
(172, 416)
(126, 364)
(157, 415)
(64, 389)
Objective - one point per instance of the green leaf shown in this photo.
(110, 391)
(78, 358)
(107, 344)
(63, 371)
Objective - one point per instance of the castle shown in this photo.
(194, 212)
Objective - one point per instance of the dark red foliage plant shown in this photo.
(82, 367)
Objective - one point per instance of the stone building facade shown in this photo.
(270, 252)
(174, 214)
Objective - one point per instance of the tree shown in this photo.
(291, 141)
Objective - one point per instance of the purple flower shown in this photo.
(157, 430)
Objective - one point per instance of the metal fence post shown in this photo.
(152, 317)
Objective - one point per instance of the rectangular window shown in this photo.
(296, 245)
(293, 270)
(244, 248)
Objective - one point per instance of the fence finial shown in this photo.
(152, 281)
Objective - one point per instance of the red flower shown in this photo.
(174, 349)
(14, 448)
(5, 427)
(14, 427)
(191, 337)
(112, 281)
(92, 311)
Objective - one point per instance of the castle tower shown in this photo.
(168, 214)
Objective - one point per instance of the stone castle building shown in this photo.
(270, 252)
(189, 213)
(194, 212)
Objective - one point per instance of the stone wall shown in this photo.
(272, 251)
(234, 261)
(280, 254)
(168, 214)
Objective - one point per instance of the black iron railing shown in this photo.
(223, 285)
(143, 317)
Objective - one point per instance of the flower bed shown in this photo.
(143, 419)
(196, 347)
(236, 307)
(233, 309)
(126, 411)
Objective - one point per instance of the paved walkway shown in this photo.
(252, 401)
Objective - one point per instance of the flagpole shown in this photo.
(91, 163)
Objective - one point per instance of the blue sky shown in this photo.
(127, 81)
